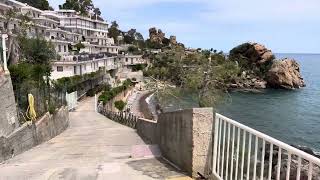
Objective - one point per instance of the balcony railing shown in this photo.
(85, 26)
(86, 57)
(242, 153)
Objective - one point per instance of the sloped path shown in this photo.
(93, 147)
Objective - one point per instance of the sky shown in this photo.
(284, 26)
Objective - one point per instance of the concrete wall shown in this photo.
(184, 137)
(148, 130)
(30, 135)
(8, 115)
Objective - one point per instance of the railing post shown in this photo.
(215, 144)
(95, 103)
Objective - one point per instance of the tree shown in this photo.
(114, 32)
(38, 53)
(40, 4)
(133, 37)
(97, 13)
(20, 30)
(132, 32)
(36, 50)
(205, 78)
(84, 7)
(128, 39)
(79, 46)
(139, 37)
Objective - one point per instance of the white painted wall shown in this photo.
(67, 71)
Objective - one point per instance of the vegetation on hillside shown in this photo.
(31, 75)
(34, 66)
(71, 84)
(84, 7)
(114, 31)
(111, 93)
(204, 73)
(40, 4)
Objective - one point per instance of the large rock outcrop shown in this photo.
(173, 40)
(261, 70)
(285, 74)
(254, 53)
(156, 36)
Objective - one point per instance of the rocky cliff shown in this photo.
(260, 69)
(156, 36)
(253, 53)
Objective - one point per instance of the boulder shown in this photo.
(285, 74)
(260, 84)
(254, 53)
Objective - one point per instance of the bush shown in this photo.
(97, 89)
(108, 93)
(138, 67)
(120, 105)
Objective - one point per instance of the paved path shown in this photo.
(93, 147)
(134, 102)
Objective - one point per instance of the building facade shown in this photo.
(82, 43)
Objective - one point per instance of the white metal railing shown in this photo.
(242, 153)
(72, 100)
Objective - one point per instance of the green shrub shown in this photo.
(138, 67)
(52, 109)
(120, 105)
(109, 93)
(97, 89)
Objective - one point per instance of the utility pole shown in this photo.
(4, 37)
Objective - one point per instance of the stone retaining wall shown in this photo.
(30, 135)
(184, 137)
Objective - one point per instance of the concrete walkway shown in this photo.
(93, 147)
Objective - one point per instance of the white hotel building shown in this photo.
(65, 29)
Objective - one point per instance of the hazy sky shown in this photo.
(282, 25)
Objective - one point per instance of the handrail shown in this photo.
(230, 136)
(272, 140)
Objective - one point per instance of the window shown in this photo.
(65, 48)
(126, 59)
(59, 48)
(60, 68)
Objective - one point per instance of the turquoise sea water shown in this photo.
(290, 116)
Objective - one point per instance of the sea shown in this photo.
(292, 116)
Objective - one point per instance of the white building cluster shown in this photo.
(66, 29)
